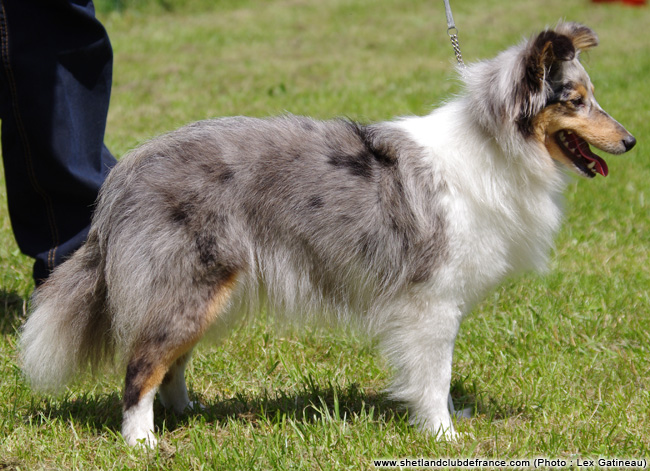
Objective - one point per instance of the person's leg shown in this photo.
(55, 83)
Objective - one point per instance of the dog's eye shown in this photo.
(577, 102)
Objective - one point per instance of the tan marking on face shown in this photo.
(589, 122)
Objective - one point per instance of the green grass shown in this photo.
(555, 365)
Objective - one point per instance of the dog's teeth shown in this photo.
(591, 165)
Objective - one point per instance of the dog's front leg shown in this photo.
(421, 346)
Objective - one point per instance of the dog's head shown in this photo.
(556, 103)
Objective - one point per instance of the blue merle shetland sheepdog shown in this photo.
(398, 227)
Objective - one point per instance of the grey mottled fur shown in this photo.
(308, 209)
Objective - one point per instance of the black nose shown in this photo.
(629, 142)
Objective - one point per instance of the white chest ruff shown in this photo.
(501, 214)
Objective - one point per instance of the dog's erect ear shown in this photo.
(542, 53)
(540, 58)
(583, 38)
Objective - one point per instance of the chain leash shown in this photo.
(452, 32)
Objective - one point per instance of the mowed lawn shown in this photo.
(554, 365)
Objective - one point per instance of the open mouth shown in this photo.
(578, 151)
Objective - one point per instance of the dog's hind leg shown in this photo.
(145, 372)
(159, 359)
(173, 390)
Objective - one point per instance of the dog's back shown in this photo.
(311, 209)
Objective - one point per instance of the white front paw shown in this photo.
(444, 434)
(142, 438)
(441, 430)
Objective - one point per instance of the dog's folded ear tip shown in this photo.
(581, 36)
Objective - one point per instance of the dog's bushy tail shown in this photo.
(69, 327)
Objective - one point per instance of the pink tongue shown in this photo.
(585, 152)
